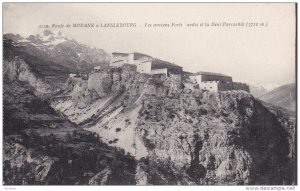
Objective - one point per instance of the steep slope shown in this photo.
(182, 135)
(41, 146)
(18, 70)
(24, 99)
(226, 140)
(283, 96)
(64, 158)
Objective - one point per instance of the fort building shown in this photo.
(145, 63)
(209, 76)
(216, 82)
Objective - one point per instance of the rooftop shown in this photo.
(210, 74)
(142, 54)
(153, 59)
(165, 62)
(119, 53)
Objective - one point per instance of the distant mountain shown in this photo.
(283, 96)
(259, 89)
(52, 56)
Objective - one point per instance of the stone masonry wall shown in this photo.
(233, 86)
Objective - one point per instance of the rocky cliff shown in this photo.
(18, 70)
(118, 126)
(42, 146)
(59, 158)
(182, 135)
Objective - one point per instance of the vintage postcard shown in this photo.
(149, 94)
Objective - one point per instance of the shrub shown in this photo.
(115, 140)
(202, 111)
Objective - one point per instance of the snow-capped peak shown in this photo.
(266, 86)
(51, 37)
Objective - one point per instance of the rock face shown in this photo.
(36, 166)
(35, 159)
(41, 146)
(228, 137)
(18, 69)
(100, 178)
(101, 84)
(196, 137)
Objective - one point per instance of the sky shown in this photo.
(249, 54)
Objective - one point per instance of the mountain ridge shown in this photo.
(283, 96)
(53, 56)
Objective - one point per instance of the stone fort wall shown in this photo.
(217, 86)
(233, 86)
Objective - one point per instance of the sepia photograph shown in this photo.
(147, 94)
